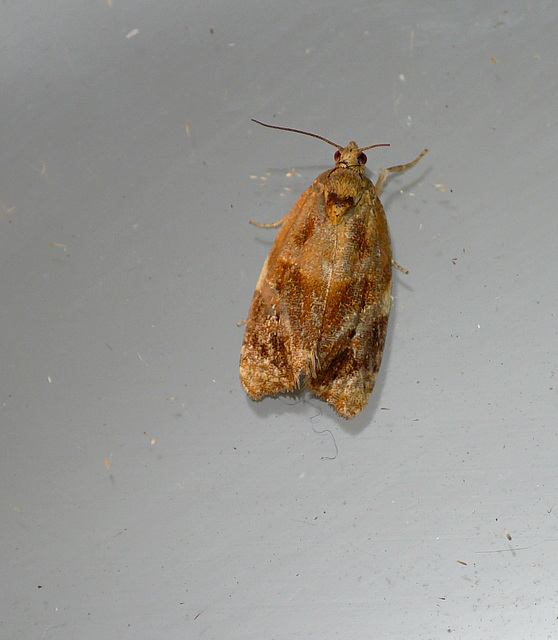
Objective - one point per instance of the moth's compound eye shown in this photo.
(337, 155)
(362, 158)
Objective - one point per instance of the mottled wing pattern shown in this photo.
(275, 350)
(322, 301)
(353, 347)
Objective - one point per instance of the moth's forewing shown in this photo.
(266, 359)
(355, 319)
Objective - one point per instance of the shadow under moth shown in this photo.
(320, 310)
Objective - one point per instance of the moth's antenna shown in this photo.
(315, 135)
(305, 133)
(373, 146)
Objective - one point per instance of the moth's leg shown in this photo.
(398, 266)
(269, 225)
(397, 169)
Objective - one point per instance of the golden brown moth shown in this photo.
(320, 310)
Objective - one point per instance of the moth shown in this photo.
(320, 310)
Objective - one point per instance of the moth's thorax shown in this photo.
(346, 189)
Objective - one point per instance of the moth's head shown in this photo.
(350, 156)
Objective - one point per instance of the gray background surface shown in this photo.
(143, 495)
